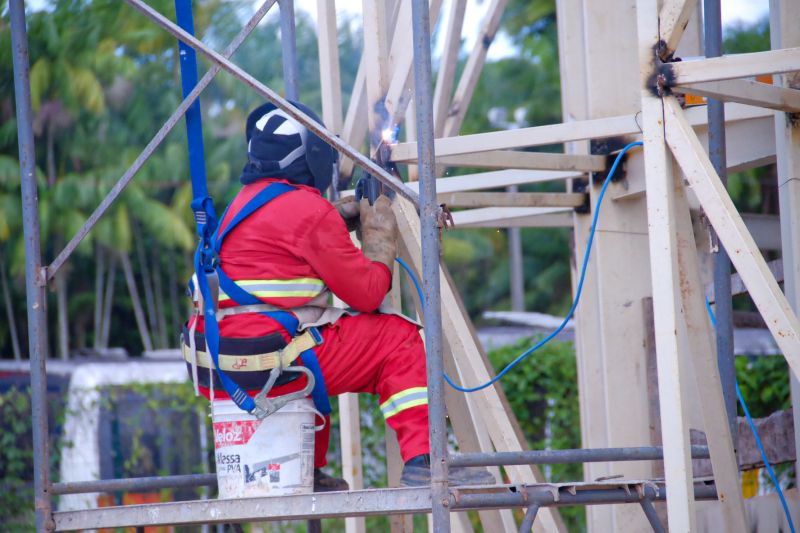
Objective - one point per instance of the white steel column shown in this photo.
(667, 308)
(785, 32)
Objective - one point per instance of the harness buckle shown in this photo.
(213, 287)
(266, 406)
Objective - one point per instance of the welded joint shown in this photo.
(662, 80)
(41, 277)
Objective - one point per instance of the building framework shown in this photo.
(617, 86)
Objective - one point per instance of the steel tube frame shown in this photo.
(723, 301)
(135, 483)
(35, 285)
(289, 50)
(545, 496)
(645, 453)
(530, 517)
(326, 135)
(652, 515)
(364, 503)
(429, 214)
(592, 455)
(155, 142)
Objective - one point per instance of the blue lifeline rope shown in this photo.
(760, 445)
(547, 339)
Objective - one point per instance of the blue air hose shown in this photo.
(547, 339)
(563, 324)
(760, 445)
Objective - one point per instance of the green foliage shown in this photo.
(16, 455)
(764, 382)
(741, 37)
(543, 393)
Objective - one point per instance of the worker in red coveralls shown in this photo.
(292, 253)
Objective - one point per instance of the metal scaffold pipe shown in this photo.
(35, 285)
(723, 301)
(289, 50)
(556, 457)
(429, 214)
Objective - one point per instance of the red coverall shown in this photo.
(300, 236)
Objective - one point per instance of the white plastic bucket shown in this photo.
(267, 457)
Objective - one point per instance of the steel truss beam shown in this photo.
(365, 503)
(732, 66)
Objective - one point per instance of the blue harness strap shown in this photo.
(202, 205)
(210, 242)
(287, 321)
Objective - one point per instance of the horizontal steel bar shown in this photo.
(544, 495)
(154, 143)
(363, 503)
(645, 453)
(589, 455)
(292, 507)
(326, 135)
(135, 484)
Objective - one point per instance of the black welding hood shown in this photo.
(278, 146)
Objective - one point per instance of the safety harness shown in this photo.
(301, 346)
(211, 278)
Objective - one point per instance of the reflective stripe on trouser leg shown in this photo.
(403, 400)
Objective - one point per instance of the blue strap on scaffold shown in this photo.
(202, 205)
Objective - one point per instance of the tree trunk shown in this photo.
(158, 287)
(51, 155)
(141, 323)
(147, 281)
(108, 299)
(12, 324)
(63, 321)
(99, 273)
(172, 281)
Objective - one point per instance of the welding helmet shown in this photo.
(278, 146)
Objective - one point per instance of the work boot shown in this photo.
(325, 483)
(417, 473)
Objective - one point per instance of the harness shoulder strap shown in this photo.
(261, 199)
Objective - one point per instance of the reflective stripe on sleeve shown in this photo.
(404, 400)
(276, 288)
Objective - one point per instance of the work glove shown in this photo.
(379, 231)
(349, 210)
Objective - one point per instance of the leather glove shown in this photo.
(379, 231)
(349, 210)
